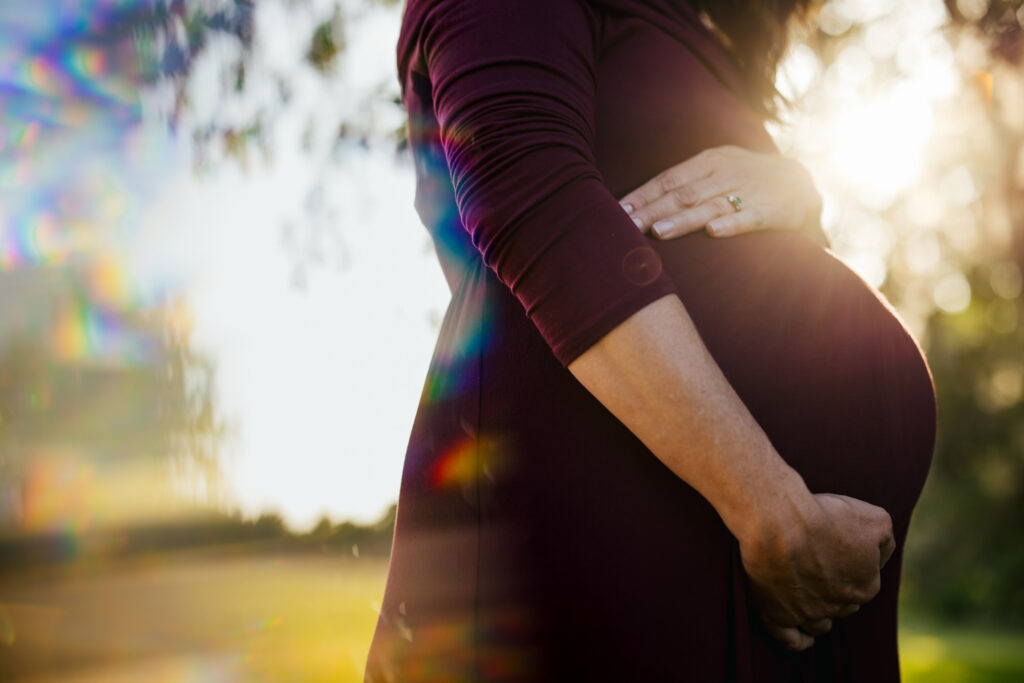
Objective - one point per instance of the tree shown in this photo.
(98, 422)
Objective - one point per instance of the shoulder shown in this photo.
(494, 25)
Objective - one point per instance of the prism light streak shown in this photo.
(75, 169)
(70, 82)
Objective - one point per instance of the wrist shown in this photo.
(784, 507)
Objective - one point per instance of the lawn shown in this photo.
(931, 655)
(288, 618)
(278, 618)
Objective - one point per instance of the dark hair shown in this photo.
(756, 32)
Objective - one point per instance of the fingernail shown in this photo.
(638, 223)
(628, 208)
(716, 229)
(662, 227)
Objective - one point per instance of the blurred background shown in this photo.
(217, 307)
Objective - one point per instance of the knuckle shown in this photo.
(683, 196)
(789, 637)
(819, 627)
(868, 591)
(848, 610)
(887, 520)
(683, 222)
(756, 219)
(833, 610)
(851, 594)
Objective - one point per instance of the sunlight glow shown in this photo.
(879, 143)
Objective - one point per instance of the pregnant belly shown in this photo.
(817, 355)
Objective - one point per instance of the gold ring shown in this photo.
(735, 200)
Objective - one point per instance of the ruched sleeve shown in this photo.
(513, 89)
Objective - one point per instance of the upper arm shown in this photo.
(513, 91)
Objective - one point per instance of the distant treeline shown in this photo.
(208, 533)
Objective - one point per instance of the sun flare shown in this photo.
(879, 144)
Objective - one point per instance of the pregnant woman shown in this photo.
(639, 459)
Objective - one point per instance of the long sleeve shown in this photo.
(513, 93)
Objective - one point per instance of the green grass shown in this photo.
(963, 655)
(291, 618)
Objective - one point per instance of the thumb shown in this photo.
(790, 637)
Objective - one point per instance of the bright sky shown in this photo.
(324, 380)
(321, 383)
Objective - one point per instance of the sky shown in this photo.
(321, 382)
(319, 378)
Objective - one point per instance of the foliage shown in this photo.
(966, 560)
(208, 531)
(133, 397)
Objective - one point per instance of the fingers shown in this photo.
(703, 196)
(817, 628)
(868, 535)
(789, 637)
(865, 590)
(881, 522)
(735, 222)
(693, 219)
(848, 610)
(694, 168)
(717, 215)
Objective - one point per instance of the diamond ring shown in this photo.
(735, 200)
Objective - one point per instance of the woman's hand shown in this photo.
(822, 564)
(774, 192)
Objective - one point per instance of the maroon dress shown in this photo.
(537, 539)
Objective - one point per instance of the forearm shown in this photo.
(655, 375)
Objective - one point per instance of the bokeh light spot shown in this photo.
(952, 293)
(972, 10)
(880, 142)
(1006, 280)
